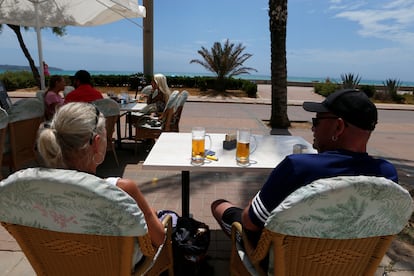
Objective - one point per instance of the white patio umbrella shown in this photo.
(59, 13)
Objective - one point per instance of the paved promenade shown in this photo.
(392, 139)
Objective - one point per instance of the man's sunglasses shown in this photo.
(315, 121)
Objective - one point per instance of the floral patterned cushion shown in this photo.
(343, 207)
(172, 100)
(107, 106)
(181, 99)
(69, 201)
(25, 109)
(4, 120)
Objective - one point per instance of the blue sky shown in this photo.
(372, 38)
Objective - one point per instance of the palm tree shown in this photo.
(277, 22)
(391, 87)
(59, 31)
(224, 60)
(350, 80)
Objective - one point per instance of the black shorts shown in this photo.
(234, 214)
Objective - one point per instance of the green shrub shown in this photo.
(250, 88)
(17, 80)
(201, 83)
(391, 87)
(326, 88)
(112, 80)
(369, 90)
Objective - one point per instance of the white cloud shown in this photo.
(389, 22)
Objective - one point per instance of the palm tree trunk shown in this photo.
(277, 22)
(35, 71)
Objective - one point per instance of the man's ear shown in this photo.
(341, 125)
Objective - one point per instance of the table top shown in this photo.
(172, 151)
(132, 107)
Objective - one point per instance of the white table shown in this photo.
(132, 107)
(172, 151)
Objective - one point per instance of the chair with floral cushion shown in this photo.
(110, 109)
(4, 120)
(73, 223)
(147, 127)
(334, 226)
(174, 121)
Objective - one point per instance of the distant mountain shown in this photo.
(7, 67)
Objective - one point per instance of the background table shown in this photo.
(132, 107)
(126, 110)
(172, 151)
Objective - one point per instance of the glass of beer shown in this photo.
(243, 149)
(198, 145)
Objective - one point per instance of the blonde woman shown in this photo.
(158, 95)
(76, 139)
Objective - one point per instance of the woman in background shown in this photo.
(157, 96)
(52, 98)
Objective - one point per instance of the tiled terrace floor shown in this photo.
(163, 188)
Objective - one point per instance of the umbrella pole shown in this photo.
(39, 47)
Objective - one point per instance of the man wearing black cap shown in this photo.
(341, 129)
(84, 92)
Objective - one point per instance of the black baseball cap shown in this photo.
(351, 105)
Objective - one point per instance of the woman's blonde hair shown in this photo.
(162, 84)
(67, 137)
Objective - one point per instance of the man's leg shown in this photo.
(226, 213)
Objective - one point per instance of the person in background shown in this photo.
(46, 69)
(75, 139)
(52, 98)
(84, 92)
(341, 129)
(158, 95)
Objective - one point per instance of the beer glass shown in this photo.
(243, 150)
(198, 145)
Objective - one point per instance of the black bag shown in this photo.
(190, 240)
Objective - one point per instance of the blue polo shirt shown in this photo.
(298, 170)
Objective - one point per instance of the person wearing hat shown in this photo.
(341, 128)
(84, 92)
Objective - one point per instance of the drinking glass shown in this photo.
(198, 146)
(243, 149)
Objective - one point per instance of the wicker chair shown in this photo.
(168, 121)
(110, 109)
(25, 117)
(4, 120)
(174, 121)
(74, 223)
(334, 226)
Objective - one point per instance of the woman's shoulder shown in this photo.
(126, 183)
(52, 97)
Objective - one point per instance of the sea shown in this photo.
(246, 76)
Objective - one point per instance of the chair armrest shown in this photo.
(254, 253)
(145, 244)
(167, 223)
(246, 245)
(162, 257)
